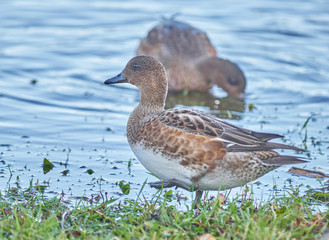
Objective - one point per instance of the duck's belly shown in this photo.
(221, 179)
(162, 165)
(235, 170)
(230, 172)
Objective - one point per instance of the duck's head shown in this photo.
(149, 75)
(225, 74)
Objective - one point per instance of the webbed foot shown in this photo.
(174, 183)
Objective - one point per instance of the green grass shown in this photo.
(28, 215)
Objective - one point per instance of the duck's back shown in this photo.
(176, 39)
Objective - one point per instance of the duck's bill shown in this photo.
(117, 79)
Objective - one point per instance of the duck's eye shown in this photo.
(233, 81)
(135, 66)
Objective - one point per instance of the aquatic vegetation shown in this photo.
(47, 166)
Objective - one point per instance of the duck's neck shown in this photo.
(147, 107)
(153, 99)
(143, 111)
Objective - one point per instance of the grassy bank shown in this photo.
(28, 215)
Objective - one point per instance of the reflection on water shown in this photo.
(55, 56)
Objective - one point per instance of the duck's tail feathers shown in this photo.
(285, 160)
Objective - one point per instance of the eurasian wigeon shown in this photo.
(190, 59)
(189, 148)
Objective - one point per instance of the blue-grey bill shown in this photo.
(117, 79)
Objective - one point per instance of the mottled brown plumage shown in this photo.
(189, 148)
(190, 59)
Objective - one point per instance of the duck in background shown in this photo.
(191, 60)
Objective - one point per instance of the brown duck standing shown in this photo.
(189, 148)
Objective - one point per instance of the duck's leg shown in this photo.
(174, 183)
(197, 198)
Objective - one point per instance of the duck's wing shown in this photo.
(234, 138)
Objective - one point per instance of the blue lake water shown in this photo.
(55, 56)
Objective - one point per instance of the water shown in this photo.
(55, 56)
